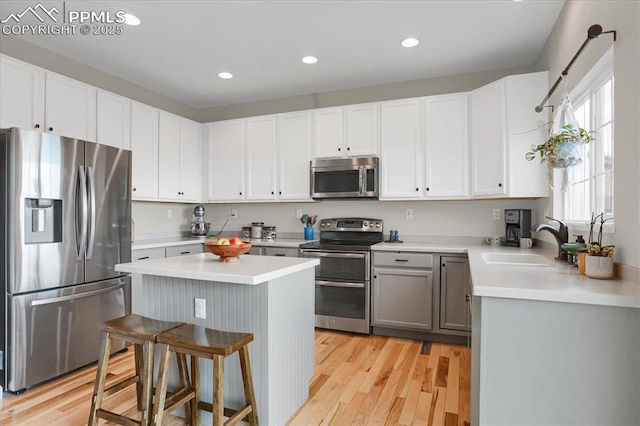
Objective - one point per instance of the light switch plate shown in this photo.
(496, 214)
(408, 214)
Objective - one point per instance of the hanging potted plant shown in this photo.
(562, 149)
(565, 146)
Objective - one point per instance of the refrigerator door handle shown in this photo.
(81, 204)
(76, 296)
(92, 211)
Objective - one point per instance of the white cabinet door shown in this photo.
(226, 160)
(488, 128)
(260, 158)
(114, 120)
(361, 129)
(447, 146)
(294, 153)
(22, 95)
(190, 160)
(70, 108)
(526, 127)
(169, 156)
(328, 132)
(399, 144)
(144, 148)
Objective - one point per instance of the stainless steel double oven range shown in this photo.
(343, 278)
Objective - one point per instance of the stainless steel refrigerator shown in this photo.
(65, 222)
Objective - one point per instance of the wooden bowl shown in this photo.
(227, 253)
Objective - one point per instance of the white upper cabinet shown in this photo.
(226, 160)
(328, 132)
(169, 187)
(446, 166)
(361, 130)
(113, 120)
(526, 127)
(488, 139)
(294, 154)
(70, 108)
(260, 158)
(400, 149)
(504, 125)
(190, 160)
(350, 131)
(144, 148)
(22, 95)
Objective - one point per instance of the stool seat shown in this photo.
(142, 332)
(200, 342)
(138, 327)
(205, 340)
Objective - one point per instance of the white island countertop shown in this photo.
(206, 267)
(558, 282)
(187, 240)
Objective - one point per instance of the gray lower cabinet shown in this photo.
(281, 251)
(184, 250)
(144, 254)
(402, 298)
(454, 294)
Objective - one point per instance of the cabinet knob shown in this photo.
(134, 189)
(240, 192)
(272, 192)
(417, 189)
(37, 126)
(51, 129)
(348, 148)
(339, 149)
(427, 189)
(279, 192)
(499, 185)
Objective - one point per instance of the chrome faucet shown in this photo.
(561, 235)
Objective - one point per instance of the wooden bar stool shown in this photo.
(142, 332)
(200, 342)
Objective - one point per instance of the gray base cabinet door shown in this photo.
(402, 299)
(454, 278)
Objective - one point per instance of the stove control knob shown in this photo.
(365, 224)
(322, 224)
(377, 224)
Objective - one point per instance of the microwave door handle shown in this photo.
(361, 180)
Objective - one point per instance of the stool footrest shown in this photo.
(121, 385)
(116, 418)
(234, 416)
(178, 399)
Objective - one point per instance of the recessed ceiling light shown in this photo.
(410, 42)
(225, 75)
(130, 19)
(309, 59)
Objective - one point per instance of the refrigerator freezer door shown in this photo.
(109, 225)
(40, 173)
(53, 332)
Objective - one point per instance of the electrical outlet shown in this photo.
(408, 213)
(496, 214)
(200, 308)
(234, 213)
(298, 213)
(169, 213)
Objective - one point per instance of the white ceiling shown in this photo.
(181, 46)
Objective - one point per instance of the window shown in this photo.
(588, 187)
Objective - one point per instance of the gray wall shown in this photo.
(567, 36)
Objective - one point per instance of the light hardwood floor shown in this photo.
(358, 380)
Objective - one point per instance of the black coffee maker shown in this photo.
(518, 224)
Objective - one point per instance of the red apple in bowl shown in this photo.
(236, 241)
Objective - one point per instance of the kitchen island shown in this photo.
(271, 297)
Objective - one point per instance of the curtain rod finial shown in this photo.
(594, 31)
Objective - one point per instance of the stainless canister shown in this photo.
(269, 232)
(246, 232)
(256, 229)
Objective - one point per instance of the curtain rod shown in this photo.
(593, 32)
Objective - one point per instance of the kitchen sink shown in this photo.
(516, 259)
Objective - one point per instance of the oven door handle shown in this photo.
(339, 284)
(308, 253)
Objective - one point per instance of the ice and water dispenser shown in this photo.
(43, 220)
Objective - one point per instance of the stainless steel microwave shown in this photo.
(355, 177)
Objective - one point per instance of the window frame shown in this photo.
(586, 89)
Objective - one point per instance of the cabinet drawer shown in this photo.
(281, 251)
(257, 251)
(404, 260)
(144, 254)
(182, 250)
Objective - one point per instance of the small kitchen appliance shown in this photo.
(518, 225)
(199, 227)
(343, 277)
